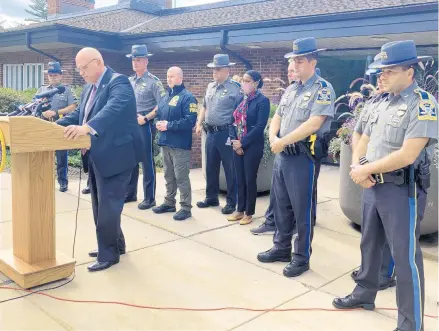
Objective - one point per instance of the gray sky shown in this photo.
(14, 10)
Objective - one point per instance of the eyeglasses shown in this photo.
(84, 68)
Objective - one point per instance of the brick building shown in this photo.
(255, 33)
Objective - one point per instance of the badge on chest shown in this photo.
(305, 100)
(174, 101)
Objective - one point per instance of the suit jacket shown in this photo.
(257, 117)
(117, 147)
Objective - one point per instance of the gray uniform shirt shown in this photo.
(148, 90)
(301, 101)
(60, 101)
(401, 117)
(368, 108)
(221, 101)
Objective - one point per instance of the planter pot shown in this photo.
(350, 195)
(264, 173)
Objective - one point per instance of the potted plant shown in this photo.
(340, 147)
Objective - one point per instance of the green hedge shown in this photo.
(10, 99)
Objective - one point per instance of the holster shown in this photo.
(423, 175)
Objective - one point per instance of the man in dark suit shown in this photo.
(107, 113)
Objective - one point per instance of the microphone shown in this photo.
(50, 93)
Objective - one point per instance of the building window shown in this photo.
(23, 76)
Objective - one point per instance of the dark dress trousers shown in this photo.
(247, 165)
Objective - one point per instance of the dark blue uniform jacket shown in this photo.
(179, 108)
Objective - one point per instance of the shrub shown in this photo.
(427, 80)
(10, 99)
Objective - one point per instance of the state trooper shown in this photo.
(387, 270)
(392, 164)
(298, 136)
(269, 226)
(222, 97)
(149, 91)
(62, 104)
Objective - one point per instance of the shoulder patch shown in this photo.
(193, 107)
(153, 77)
(426, 110)
(324, 94)
(235, 82)
(323, 84)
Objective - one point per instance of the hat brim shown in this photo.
(133, 56)
(292, 54)
(370, 72)
(212, 65)
(57, 72)
(379, 63)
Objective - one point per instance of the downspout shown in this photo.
(28, 42)
(223, 43)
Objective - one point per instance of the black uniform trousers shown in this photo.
(107, 197)
(388, 212)
(269, 214)
(218, 152)
(62, 167)
(148, 167)
(295, 178)
(246, 169)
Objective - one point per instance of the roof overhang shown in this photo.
(354, 31)
(61, 35)
(374, 27)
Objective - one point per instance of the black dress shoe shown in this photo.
(95, 253)
(350, 302)
(294, 269)
(354, 274)
(263, 229)
(385, 282)
(228, 210)
(275, 255)
(164, 209)
(182, 215)
(63, 188)
(98, 266)
(146, 205)
(207, 203)
(130, 199)
(86, 190)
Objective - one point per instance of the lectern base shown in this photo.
(31, 275)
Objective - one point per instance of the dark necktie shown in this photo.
(87, 111)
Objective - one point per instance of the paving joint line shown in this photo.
(267, 312)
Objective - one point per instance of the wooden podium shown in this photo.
(33, 260)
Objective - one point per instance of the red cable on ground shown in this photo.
(194, 309)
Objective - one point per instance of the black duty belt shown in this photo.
(397, 177)
(215, 128)
(294, 149)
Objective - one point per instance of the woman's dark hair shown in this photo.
(256, 76)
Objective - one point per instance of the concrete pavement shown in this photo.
(204, 262)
